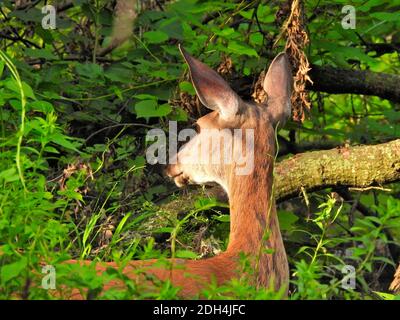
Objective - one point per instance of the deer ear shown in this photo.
(278, 85)
(212, 90)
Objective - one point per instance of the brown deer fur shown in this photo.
(395, 285)
(254, 224)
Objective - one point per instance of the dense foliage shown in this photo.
(74, 182)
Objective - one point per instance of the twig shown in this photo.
(370, 188)
(117, 125)
(26, 42)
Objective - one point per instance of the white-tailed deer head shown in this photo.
(230, 139)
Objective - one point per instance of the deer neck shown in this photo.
(251, 210)
(254, 221)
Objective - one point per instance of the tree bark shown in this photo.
(359, 166)
(125, 15)
(333, 80)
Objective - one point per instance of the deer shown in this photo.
(254, 225)
(395, 285)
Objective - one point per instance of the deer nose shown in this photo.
(172, 171)
(166, 171)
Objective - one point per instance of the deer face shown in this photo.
(229, 139)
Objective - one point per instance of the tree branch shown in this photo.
(379, 48)
(334, 80)
(360, 166)
(286, 146)
(125, 15)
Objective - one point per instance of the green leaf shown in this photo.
(178, 114)
(150, 109)
(117, 91)
(13, 86)
(9, 175)
(138, 165)
(1, 67)
(156, 190)
(16, 104)
(121, 224)
(386, 16)
(256, 39)
(12, 270)
(172, 27)
(247, 14)
(145, 96)
(33, 14)
(28, 90)
(223, 218)
(42, 106)
(51, 149)
(385, 260)
(155, 36)
(286, 219)
(392, 115)
(265, 14)
(51, 95)
(203, 203)
(63, 141)
(89, 70)
(119, 74)
(40, 53)
(164, 230)
(385, 296)
(187, 86)
(225, 33)
(241, 49)
(185, 254)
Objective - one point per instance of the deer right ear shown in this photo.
(211, 88)
(278, 85)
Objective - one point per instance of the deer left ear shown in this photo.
(213, 91)
(278, 84)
